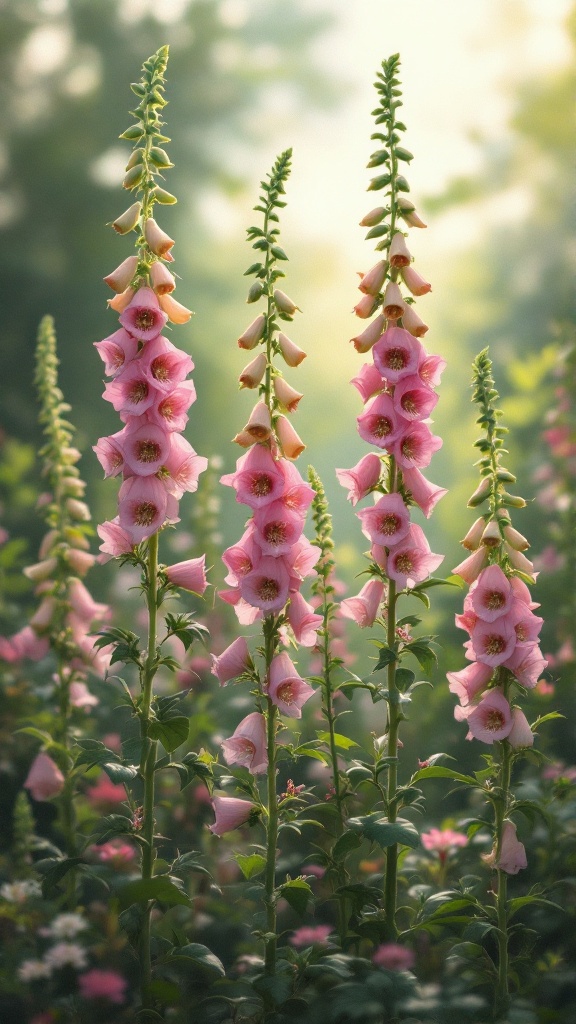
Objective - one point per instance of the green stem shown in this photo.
(272, 808)
(502, 997)
(149, 748)
(390, 876)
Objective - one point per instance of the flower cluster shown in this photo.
(498, 612)
(398, 387)
(149, 386)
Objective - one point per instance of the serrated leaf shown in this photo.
(171, 732)
(296, 892)
(385, 657)
(53, 870)
(386, 833)
(201, 956)
(250, 865)
(424, 655)
(160, 888)
(112, 825)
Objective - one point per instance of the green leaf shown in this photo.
(186, 862)
(201, 956)
(296, 892)
(386, 833)
(345, 843)
(278, 252)
(250, 865)
(171, 732)
(404, 678)
(53, 870)
(438, 771)
(112, 825)
(186, 629)
(277, 988)
(423, 653)
(160, 888)
(38, 734)
(120, 773)
(530, 901)
(341, 741)
(385, 657)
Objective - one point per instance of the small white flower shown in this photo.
(19, 892)
(33, 970)
(65, 954)
(67, 926)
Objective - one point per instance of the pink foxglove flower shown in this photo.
(520, 734)
(512, 858)
(365, 606)
(368, 381)
(311, 935)
(143, 318)
(397, 354)
(424, 493)
(489, 720)
(492, 594)
(380, 424)
(230, 813)
(44, 780)
(387, 522)
(362, 478)
(443, 840)
(411, 561)
(393, 957)
(108, 986)
(303, 620)
(233, 662)
(247, 745)
(286, 689)
(189, 575)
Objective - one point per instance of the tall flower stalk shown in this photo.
(398, 391)
(505, 659)
(150, 391)
(268, 564)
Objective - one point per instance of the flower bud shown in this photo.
(253, 373)
(291, 354)
(78, 510)
(292, 445)
(413, 281)
(41, 570)
(491, 537)
(76, 539)
(259, 425)
(513, 500)
(80, 561)
(162, 196)
(160, 158)
(519, 561)
(253, 333)
(133, 177)
(120, 278)
(175, 311)
(363, 342)
(159, 242)
(412, 322)
(393, 302)
(474, 536)
(284, 303)
(128, 220)
(372, 282)
(161, 279)
(48, 541)
(135, 158)
(73, 486)
(399, 253)
(119, 302)
(133, 133)
(373, 218)
(255, 291)
(367, 305)
(481, 492)
(407, 210)
(515, 539)
(286, 395)
(244, 439)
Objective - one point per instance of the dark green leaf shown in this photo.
(296, 892)
(438, 771)
(160, 888)
(386, 833)
(171, 732)
(385, 657)
(120, 773)
(277, 988)
(341, 741)
(345, 843)
(200, 956)
(404, 678)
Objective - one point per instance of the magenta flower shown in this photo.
(380, 424)
(365, 606)
(106, 985)
(493, 642)
(44, 780)
(230, 814)
(413, 399)
(393, 957)
(387, 522)
(258, 479)
(233, 662)
(415, 445)
(362, 478)
(286, 689)
(189, 575)
(142, 317)
(116, 351)
(311, 935)
(277, 528)
(266, 586)
(368, 381)
(247, 745)
(469, 681)
(397, 354)
(489, 720)
(143, 507)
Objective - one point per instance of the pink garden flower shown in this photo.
(247, 745)
(527, 664)
(230, 814)
(106, 985)
(397, 354)
(143, 318)
(520, 734)
(493, 642)
(410, 560)
(387, 522)
(189, 575)
(413, 399)
(368, 381)
(266, 586)
(277, 528)
(393, 957)
(492, 594)
(233, 662)
(469, 681)
(512, 857)
(311, 935)
(441, 841)
(143, 507)
(489, 720)
(286, 689)
(258, 479)
(116, 852)
(303, 620)
(380, 424)
(105, 793)
(116, 541)
(44, 780)
(365, 606)
(116, 351)
(424, 493)
(362, 478)
(415, 445)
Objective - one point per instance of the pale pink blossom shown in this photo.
(108, 986)
(362, 478)
(292, 445)
(241, 558)
(412, 322)
(266, 586)
(393, 957)
(379, 423)
(493, 642)
(472, 566)
(286, 688)
(399, 254)
(246, 613)
(290, 352)
(189, 575)
(44, 779)
(491, 595)
(66, 954)
(122, 300)
(474, 535)
(286, 395)
(159, 242)
(527, 664)
(411, 561)
(443, 840)
(258, 479)
(161, 279)
(116, 541)
(423, 492)
(259, 425)
(527, 626)
(364, 608)
(277, 528)
(297, 495)
(373, 217)
(284, 303)
(80, 561)
(128, 220)
(253, 333)
(397, 354)
(520, 734)
(512, 857)
(83, 604)
(132, 392)
(430, 369)
(143, 317)
(393, 302)
(413, 280)
(364, 341)
(121, 277)
(247, 745)
(311, 935)
(303, 620)
(365, 307)
(253, 373)
(171, 411)
(230, 813)
(41, 570)
(44, 614)
(368, 381)
(165, 365)
(105, 793)
(35, 970)
(233, 662)
(373, 280)
(116, 852)
(24, 644)
(489, 720)
(80, 696)
(301, 561)
(469, 681)
(181, 471)
(387, 522)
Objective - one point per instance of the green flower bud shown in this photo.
(162, 196)
(481, 492)
(403, 154)
(133, 177)
(133, 133)
(380, 182)
(160, 157)
(135, 158)
(513, 500)
(255, 291)
(505, 476)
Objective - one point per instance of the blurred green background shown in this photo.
(488, 91)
